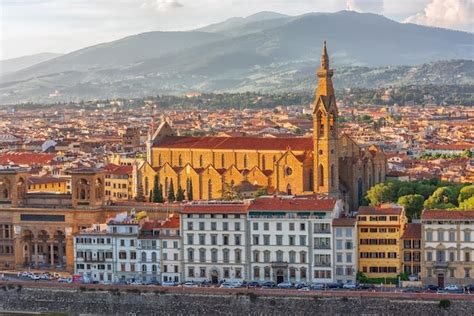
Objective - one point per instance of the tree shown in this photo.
(190, 190)
(261, 191)
(425, 189)
(403, 276)
(466, 193)
(406, 188)
(381, 193)
(442, 198)
(229, 192)
(180, 194)
(157, 191)
(140, 197)
(150, 197)
(467, 204)
(361, 277)
(171, 196)
(413, 204)
(466, 153)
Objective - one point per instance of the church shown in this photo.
(328, 163)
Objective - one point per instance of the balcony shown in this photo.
(322, 231)
(322, 264)
(440, 264)
(321, 246)
(279, 264)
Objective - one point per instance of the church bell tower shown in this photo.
(325, 131)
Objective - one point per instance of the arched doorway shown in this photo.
(27, 239)
(60, 249)
(43, 247)
(214, 276)
(280, 276)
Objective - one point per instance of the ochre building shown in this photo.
(328, 162)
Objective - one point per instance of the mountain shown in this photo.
(15, 64)
(264, 51)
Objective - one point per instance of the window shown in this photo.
(291, 240)
(302, 240)
(429, 256)
(338, 232)
(452, 236)
(237, 240)
(467, 256)
(338, 257)
(133, 255)
(467, 272)
(213, 239)
(226, 273)
(238, 273)
(202, 239)
(348, 232)
(303, 257)
(237, 226)
(440, 235)
(202, 255)
(225, 239)
(348, 257)
(256, 273)
(213, 226)
(190, 225)
(302, 227)
(338, 244)
(238, 255)
(266, 256)
(452, 256)
(278, 225)
(255, 226)
(122, 255)
(467, 236)
(214, 255)
(190, 239)
(201, 226)
(202, 272)
(292, 257)
(266, 240)
(292, 226)
(266, 272)
(429, 236)
(225, 226)
(279, 240)
(266, 226)
(279, 256)
(256, 256)
(255, 239)
(190, 255)
(191, 272)
(225, 253)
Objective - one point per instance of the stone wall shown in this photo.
(131, 301)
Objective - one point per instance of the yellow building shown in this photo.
(47, 184)
(328, 162)
(379, 247)
(118, 182)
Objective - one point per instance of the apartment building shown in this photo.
(411, 249)
(345, 249)
(214, 241)
(447, 247)
(118, 182)
(379, 233)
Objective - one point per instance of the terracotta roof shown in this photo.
(292, 204)
(215, 208)
(445, 214)
(344, 221)
(172, 222)
(374, 210)
(412, 231)
(26, 158)
(45, 179)
(256, 143)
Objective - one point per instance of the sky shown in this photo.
(61, 26)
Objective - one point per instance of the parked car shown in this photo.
(253, 284)
(469, 288)
(268, 285)
(45, 277)
(190, 284)
(350, 286)
(168, 283)
(365, 286)
(285, 285)
(430, 288)
(65, 280)
(300, 285)
(411, 290)
(335, 286)
(35, 277)
(304, 288)
(25, 274)
(136, 283)
(452, 288)
(317, 286)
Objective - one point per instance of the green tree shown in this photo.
(150, 197)
(381, 193)
(466, 154)
(406, 188)
(424, 189)
(140, 197)
(229, 192)
(442, 198)
(171, 196)
(467, 204)
(465, 193)
(190, 190)
(261, 191)
(180, 194)
(361, 277)
(157, 191)
(403, 276)
(413, 204)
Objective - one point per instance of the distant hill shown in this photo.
(15, 64)
(266, 51)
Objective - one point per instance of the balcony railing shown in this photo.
(322, 231)
(322, 264)
(322, 246)
(440, 264)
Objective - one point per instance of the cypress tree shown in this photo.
(160, 198)
(180, 195)
(156, 190)
(190, 191)
(171, 196)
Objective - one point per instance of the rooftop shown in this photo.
(447, 214)
(412, 231)
(377, 210)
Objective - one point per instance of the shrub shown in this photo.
(444, 304)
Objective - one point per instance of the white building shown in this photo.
(447, 247)
(345, 249)
(214, 241)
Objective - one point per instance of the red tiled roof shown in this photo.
(45, 179)
(26, 158)
(256, 143)
(445, 214)
(172, 222)
(116, 169)
(293, 204)
(215, 208)
(373, 210)
(344, 221)
(412, 231)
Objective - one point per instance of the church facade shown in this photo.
(328, 163)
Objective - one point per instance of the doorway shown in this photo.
(214, 277)
(280, 276)
(441, 280)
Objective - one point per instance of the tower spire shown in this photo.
(324, 58)
(324, 73)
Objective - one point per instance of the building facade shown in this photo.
(379, 232)
(411, 249)
(327, 162)
(447, 247)
(345, 249)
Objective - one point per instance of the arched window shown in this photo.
(321, 176)
(256, 256)
(245, 161)
(311, 179)
(201, 161)
(143, 256)
(332, 176)
(263, 163)
(320, 124)
(292, 257)
(82, 194)
(214, 255)
(153, 268)
(279, 256)
(360, 188)
(303, 257)
(256, 273)
(332, 127)
(266, 272)
(143, 267)
(209, 189)
(5, 193)
(146, 186)
(238, 255)
(153, 256)
(202, 255)
(222, 161)
(225, 254)
(180, 161)
(190, 255)
(288, 189)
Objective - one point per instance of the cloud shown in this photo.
(456, 14)
(162, 5)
